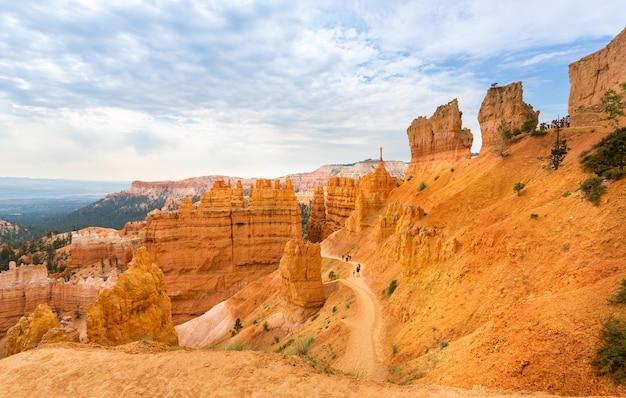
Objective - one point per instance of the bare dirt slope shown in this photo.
(148, 370)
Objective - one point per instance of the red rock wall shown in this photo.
(591, 77)
(209, 253)
(503, 103)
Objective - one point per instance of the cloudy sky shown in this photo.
(165, 90)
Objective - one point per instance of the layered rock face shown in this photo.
(503, 103)
(210, 252)
(23, 288)
(96, 245)
(340, 202)
(440, 137)
(301, 287)
(135, 308)
(591, 77)
(317, 218)
(371, 195)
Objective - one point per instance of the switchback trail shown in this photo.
(364, 349)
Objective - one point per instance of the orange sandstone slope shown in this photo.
(497, 289)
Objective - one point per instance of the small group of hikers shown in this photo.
(355, 272)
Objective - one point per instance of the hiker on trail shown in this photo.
(358, 270)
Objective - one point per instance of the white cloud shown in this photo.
(169, 90)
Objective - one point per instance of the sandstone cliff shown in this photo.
(210, 252)
(301, 287)
(135, 308)
(503, 103)
(440, 137)
(591, 77)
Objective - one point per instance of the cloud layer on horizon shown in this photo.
(157, 90)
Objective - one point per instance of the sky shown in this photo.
(166, 90)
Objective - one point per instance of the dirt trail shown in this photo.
(364, 350)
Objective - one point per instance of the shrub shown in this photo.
(334, 308)
(392, 287)
(266, 326)
(620, 297)
(332, 276)
(534, 216)
(410, 178)
(614, 174)
(610, 359)
(607, 154)
(282, 347)
(593, 189)
(303, 346)
(518, 187)
(529, 125)
(237, 327)
(444, 343)
(422, 186)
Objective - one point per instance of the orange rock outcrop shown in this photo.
(210, 252)
(591, 76)
(371, 195)
(440, 137)
(301, 287)
(30, 330)
(503, 103)
(135, 308)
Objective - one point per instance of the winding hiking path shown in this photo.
(364, 349)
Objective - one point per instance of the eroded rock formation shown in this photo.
(136, 307)
(440, 137)
(23, 288)
(30, 330)
(210, 252)
(503, 103)
(371, 195)
(340, 202)
(301, 287)
(99, 245)
(591, 77)
(317, 218)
